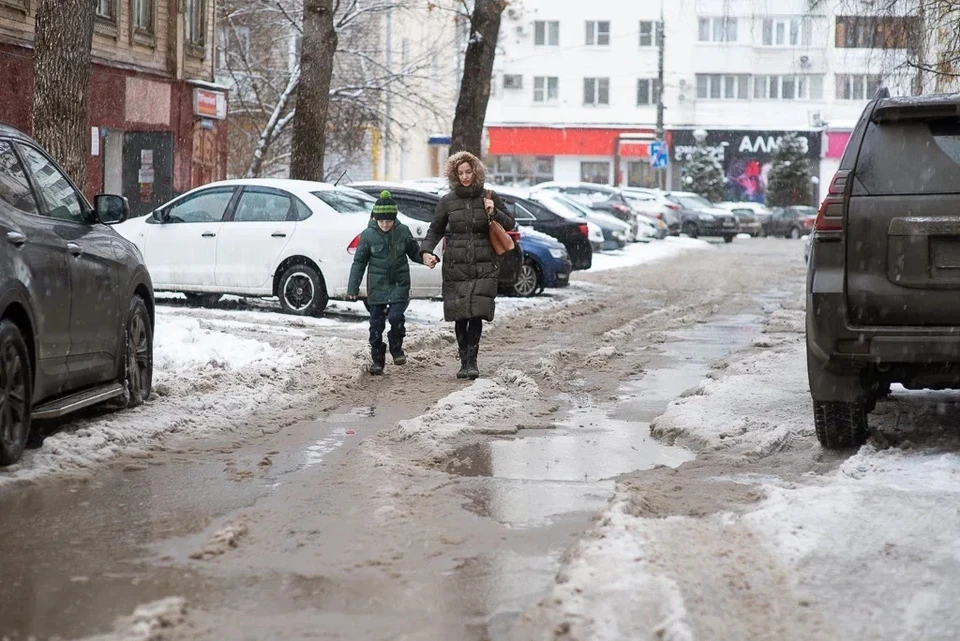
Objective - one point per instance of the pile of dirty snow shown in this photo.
(643, 253)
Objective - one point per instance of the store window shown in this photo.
(595, 172)
(522, 170)
(641, 174)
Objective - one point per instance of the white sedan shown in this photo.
(260, 237)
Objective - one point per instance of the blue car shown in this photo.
(545, 264)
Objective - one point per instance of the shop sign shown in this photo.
(209, 104)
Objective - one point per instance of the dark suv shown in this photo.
(883, 286)
(76, 303)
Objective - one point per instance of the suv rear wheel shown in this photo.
(840, 425)
(15, 393)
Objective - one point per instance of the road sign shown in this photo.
(658, 155)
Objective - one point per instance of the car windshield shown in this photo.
(347, 201)
(561, 208)
(694, 202)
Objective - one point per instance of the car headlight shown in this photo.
(558, 253)
(707, 218)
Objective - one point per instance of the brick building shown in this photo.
(157, 122)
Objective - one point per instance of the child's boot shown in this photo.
(396, 348)
(378, 354)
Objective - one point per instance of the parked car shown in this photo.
(790, 222)
(263, 237)
(882, 285)
(701, 218)
(759, 210)
(599, 197)
(545, 264)
(614, 232)
(749, 223)
(76, 302)
(419, 201)
(574, 235)
(654, 203)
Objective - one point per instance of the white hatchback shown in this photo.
(263, 237)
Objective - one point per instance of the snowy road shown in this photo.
(273, 491)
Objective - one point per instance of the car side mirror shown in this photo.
(110, 209)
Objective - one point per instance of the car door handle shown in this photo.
(278, 234)
(16, 239)
(208, 234)
(74, 249)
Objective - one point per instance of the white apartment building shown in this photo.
(575, 86)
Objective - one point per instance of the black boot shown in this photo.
(461, 331)
(378, 356)
(472, 372)
(395, 339)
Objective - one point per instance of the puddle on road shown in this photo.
(546, 484)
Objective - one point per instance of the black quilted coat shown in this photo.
(471, 269)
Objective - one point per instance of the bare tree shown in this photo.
(313, 95)
(61, 70)
(477, 71)
(259, 56)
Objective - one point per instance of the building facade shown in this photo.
(157, 121)
(740, 74)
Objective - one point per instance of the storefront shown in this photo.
(531, 155)
(150, 138)
(745, 155)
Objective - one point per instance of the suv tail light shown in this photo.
(830, 215)
(584, 229)
(352, 247)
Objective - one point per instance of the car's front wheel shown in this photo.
(302, 291)
(15, 393)
(840, 425)
(528, 282)
(137, 375)
(795, 233)
(690, 229)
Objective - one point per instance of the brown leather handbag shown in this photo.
(499, 238)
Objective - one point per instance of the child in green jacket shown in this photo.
(384, 248)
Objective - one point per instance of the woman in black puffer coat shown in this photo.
(471, 268)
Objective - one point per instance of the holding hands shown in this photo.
(430, 260)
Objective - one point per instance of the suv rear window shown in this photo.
(910, 157)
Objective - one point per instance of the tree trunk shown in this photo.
(313, 94)
(477, 70)
(61, 70)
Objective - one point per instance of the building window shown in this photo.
(522, 170)
(546, 89)
(598, 33)
(648, 91)
(648, 34)
(717, 86)
(875, 32)
(143, 16)
(196, 14)
(107, 10)
(595, 172)
(788, 87)
(641, 174)
(233, 47)
(546, 33)
(723, 29)
(787, 32)
(512, 81)
(857, 86)
(596, 91)
(22, 5)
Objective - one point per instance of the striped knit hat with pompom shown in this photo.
(386, 207)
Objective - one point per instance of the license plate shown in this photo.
(563, 276)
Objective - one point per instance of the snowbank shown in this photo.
(205, 381)
(485, 407)
(642, 253)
